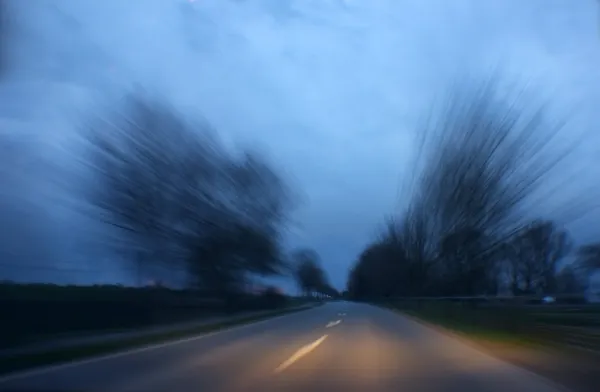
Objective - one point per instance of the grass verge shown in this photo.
(573, 369)
(473, 331)
(62, 355)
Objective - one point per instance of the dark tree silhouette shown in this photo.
(178, 199)
(570, 282)
(481, 158)
(537, 250)
(309, 274)
(589, 257)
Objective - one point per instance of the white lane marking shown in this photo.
(299, 354)
(333, 324)
(62, 366)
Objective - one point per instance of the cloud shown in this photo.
(334, 89)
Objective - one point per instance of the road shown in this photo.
(336, 347)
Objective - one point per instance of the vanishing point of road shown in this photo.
(339, 346)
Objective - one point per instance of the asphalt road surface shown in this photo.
(336, 347)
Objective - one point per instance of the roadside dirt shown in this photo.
(577, 371)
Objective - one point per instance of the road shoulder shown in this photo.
(13, 366)
(566, 369)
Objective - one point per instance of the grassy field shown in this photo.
(558, 342)
(574, 326)
(35, 312)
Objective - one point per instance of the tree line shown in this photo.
(469, 228)
(172, 197)
(172, 194)
(310, 276)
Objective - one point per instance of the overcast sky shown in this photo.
(331, 89)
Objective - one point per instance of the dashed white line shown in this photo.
(299, 354)
(333, 324)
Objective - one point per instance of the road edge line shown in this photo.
(69, 364)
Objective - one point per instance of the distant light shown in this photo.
(549, 299)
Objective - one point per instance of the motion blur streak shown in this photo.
(172, 167)
(373, 350)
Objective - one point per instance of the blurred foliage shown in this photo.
(309, 274)
(467, 229)
(171, 194)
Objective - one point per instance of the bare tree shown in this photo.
(540, 246)
(308, 273)
(178, 199)
(244, 234)
(589, 257)
(134, 159)
(569, 282)
(481, 158)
